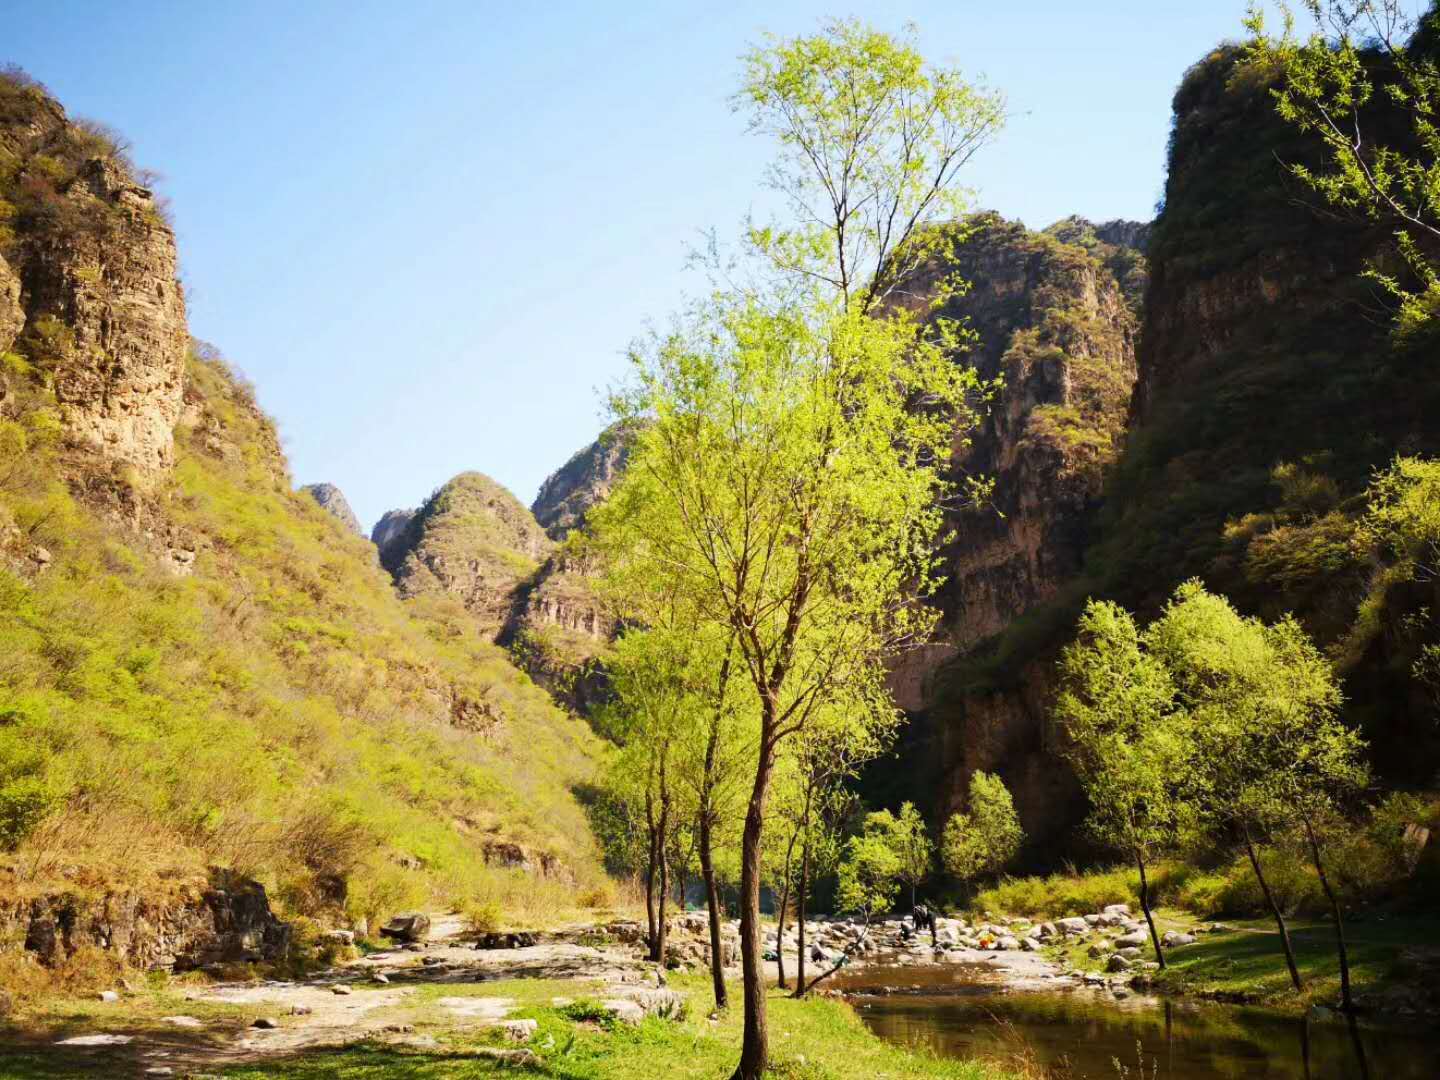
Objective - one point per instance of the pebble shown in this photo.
(340, 989)
(109, 995)
(265, 1023)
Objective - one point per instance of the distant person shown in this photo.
(922, 916)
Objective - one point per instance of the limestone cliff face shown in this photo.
(103, 312)
(579, 484)
(331, 499)
(1056, 320)
(390, 530)
(1261, 348)
(1055, 326)
(472, 540)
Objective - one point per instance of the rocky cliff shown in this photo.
(88, 284)
(1263, 375)
(1056, 324)
(390, 531)
(472, 540)
(330, 498)
(579, 484)
(203, 666)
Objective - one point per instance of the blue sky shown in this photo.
(427, 231)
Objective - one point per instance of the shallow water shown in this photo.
(949, 1012)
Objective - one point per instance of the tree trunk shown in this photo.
(784, 909)
(1145, 907)
(800, 908)
(1345, 1001)
(1275, 910)
(754, 1049)
(651, 935)
(658, 951)
(712, 901)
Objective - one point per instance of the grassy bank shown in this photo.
(814, 1040)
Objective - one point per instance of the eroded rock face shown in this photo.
(1055, 325)
(1059, 328)
(104, 314)
(331, 499)
(389, 532)
(579, 484)
(12, 314)
(472, 540)
(225, 919)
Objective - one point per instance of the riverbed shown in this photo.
(957, 1011)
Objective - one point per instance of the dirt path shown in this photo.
(380, 997)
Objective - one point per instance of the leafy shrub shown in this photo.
(483, 918)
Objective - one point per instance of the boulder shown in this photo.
(1030, 944)
(1047, 930)
(517, 939)
(518, 1030)
(1118, 963)
(1116, 909)
(1101, 948)
(1134, 937)
(1174, 938)
(1008, 943)
(1131, 952)
(633, 1004)
(1073, 925)
(407, 928)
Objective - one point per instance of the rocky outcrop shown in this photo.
(1056, 326)
(472, 540)
(579, 484)
(389, 532)
(331, 499)
(224, 919)
(1053, 324)
(104, 314)
(12, 314)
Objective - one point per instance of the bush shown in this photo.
(483, 918)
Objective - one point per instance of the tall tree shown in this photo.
(1262, 704)
(1128, 740)
(789, 468)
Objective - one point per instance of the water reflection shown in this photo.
(1093, 1031)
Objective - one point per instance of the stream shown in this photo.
(955, 1012)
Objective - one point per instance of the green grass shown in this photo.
(1246, 962)
(818, 1039)
(278, 711)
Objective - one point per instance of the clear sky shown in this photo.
(428, 230)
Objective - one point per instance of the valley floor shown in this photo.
(443, 1012)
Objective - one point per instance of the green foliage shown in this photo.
(1366, 86)
(1129, 742)
(871, 143)
(984, 838)
(278, 711)
(869, 871)
(907, 837)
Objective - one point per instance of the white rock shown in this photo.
(96, 1040)
(518, 1030)
(182, 1021)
